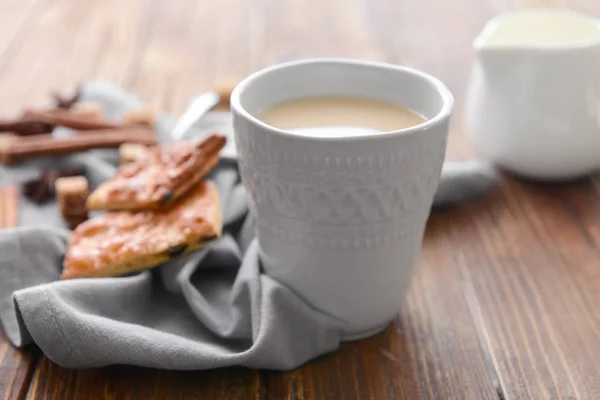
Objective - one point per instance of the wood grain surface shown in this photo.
(128, 383)
(16, 366)
(504, 302)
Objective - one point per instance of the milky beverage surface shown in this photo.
(339, 116)
(545, 29)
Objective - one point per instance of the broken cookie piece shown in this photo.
(159, 178)
(120, 242)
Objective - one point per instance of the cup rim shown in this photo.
(441, 89)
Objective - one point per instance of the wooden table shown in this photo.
(506, 300)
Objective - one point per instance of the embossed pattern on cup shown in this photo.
(341, 221)
(338, 192)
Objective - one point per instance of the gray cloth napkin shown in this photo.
(212, 308)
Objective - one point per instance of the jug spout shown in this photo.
(482, 40)
(492, 59)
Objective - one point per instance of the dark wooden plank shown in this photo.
(532, 271)
(130, 383)
(16, 369)
(16, 366)
(65, 42)
(194, 46)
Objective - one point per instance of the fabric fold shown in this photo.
(235, 315)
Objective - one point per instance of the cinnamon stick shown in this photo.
(25, 127)
(34, 122)
(14, 149)
(61, 117)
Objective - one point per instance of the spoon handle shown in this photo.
(196, 110)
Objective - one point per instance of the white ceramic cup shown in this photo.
(340, 220)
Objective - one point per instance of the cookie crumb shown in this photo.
(72, 193)
(145, 116)
(129, 152)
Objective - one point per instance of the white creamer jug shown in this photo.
(533, 104)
